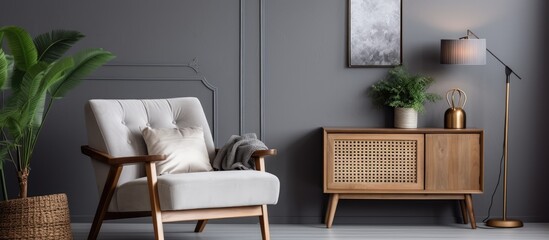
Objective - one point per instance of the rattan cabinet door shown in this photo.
(377, 162)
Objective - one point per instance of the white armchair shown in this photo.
(127, 180)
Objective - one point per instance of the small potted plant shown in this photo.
(37, 74)
(406, 93)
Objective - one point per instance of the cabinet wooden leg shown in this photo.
(330, 212)
(470, 210)
(463, 210)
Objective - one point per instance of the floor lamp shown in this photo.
(468, 51)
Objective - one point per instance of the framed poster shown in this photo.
(374, 33)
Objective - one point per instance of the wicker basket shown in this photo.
(43, 217)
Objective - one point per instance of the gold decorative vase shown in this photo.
(454, 117)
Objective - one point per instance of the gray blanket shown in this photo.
(237, 153)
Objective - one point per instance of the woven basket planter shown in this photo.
(42, 217)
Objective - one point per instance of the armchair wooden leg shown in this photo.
(155, 202)
(200, 225)
(104, 201)
(264, 221)
(97, 221)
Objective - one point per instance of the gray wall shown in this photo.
(306, 86)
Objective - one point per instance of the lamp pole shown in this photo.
(504, 222)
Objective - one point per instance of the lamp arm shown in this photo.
(508, 70)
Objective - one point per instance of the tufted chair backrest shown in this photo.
(114, 126)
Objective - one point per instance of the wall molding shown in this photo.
(199, 78)
(192, 65)
(262, 70)
(242, 59)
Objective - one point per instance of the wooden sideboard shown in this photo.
(379, 163)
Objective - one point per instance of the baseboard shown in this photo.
(320, 220)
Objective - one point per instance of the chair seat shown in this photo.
(198, 190)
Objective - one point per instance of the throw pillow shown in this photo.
(185, 149)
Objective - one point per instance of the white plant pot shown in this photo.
(405, 118)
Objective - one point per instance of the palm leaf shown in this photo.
(3, 68)
(8, 82)
(39, 103)
(15, 79)
(23, 103)
(32, 80)
(5, 147)
(55, 72)
(21, 46)
(9, 120)
(9, 73)
(51, 46)
(10, 60)
(3, 152)
(19, 120)
(52, 75)
(85, 62)
(33, 93)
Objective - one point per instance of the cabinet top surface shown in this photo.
(399, 130)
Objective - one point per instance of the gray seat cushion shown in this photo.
(201, 190)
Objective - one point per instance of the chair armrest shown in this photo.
(108, 159)
(259, 157)
(264, 153)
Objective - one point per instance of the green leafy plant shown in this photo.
(402, 89)
(37, 74)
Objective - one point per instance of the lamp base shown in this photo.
(501, 223)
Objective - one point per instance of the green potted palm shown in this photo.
(35, 73)
(406, 93)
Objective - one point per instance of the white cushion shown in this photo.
(185, 149)
(201, 190)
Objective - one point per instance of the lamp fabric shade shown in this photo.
(463, 51)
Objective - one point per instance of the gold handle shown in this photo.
(460, 96)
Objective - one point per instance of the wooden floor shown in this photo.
(533, 231)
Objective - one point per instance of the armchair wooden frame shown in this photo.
(159, 216)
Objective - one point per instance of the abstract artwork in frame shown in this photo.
(374, 33)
